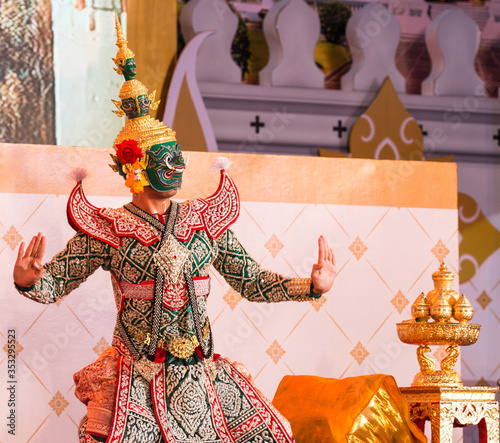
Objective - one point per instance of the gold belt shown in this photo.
(179, 346)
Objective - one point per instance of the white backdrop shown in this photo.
(385, 256)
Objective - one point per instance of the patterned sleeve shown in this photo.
(68, 269)
(246, 276)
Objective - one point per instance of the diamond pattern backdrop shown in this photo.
(385, 257)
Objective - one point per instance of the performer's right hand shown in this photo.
(28, 268)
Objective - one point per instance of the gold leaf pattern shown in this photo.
(317, 303)
(440, 353)
(275, 351)
(101, 346)
(440, 250)
(58, 403)
(484, 299)
(232, 298)
(12, 238)
(358, 248)
(359, 353)
(274, 246)
(18, 348)
(400, 302)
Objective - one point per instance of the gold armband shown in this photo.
(297, 287)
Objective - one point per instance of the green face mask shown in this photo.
(129, 69)
(144, 103)
(165, 166)
(129, 106)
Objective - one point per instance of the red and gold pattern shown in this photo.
(84, 216)
(125, 224)
(190, 218)
(95, 387)
(282, 432)
(223, 207)
(175, 294)
(201, 286)
(158, 394)
(264, 415)
(214, 214)
(142, 291)
(217, 412)
(226, 405)
(124, 380)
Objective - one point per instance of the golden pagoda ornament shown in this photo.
(442, 306)
(421, 308)
(463, 310)
(441, 310)
(443, 280)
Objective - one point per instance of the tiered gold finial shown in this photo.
(421, 308)
(124, 52)
(443, 280)
(463, 310)
(140, 131)
(441, 309)
(440, 304)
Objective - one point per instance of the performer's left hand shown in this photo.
(324, 272)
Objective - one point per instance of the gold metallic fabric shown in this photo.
(368, 409)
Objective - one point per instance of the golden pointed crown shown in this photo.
(139, 126)
(123, 51)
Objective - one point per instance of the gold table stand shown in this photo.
(447, 407)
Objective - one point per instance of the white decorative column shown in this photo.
(291, 29)
(452, 40)
(373, 34)
(214, 62)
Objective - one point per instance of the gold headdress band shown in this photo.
(146, 131)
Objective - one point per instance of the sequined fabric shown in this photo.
(183, 400)
(246, 276)
(95, 387)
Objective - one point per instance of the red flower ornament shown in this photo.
(128, 151)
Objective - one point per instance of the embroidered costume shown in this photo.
(160, 381)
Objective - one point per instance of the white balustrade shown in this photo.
(373, 34)
(300, 115)
(452, 40)
(214, 61)
(413, 16)
(291, 29)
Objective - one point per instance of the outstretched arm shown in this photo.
(28, 267)
(324, 272)
(259, 285)
(70, 267)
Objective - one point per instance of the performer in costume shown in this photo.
(160, 381)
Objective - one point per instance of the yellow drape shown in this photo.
(356, 409)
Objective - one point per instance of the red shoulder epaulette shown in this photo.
(214, 214)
